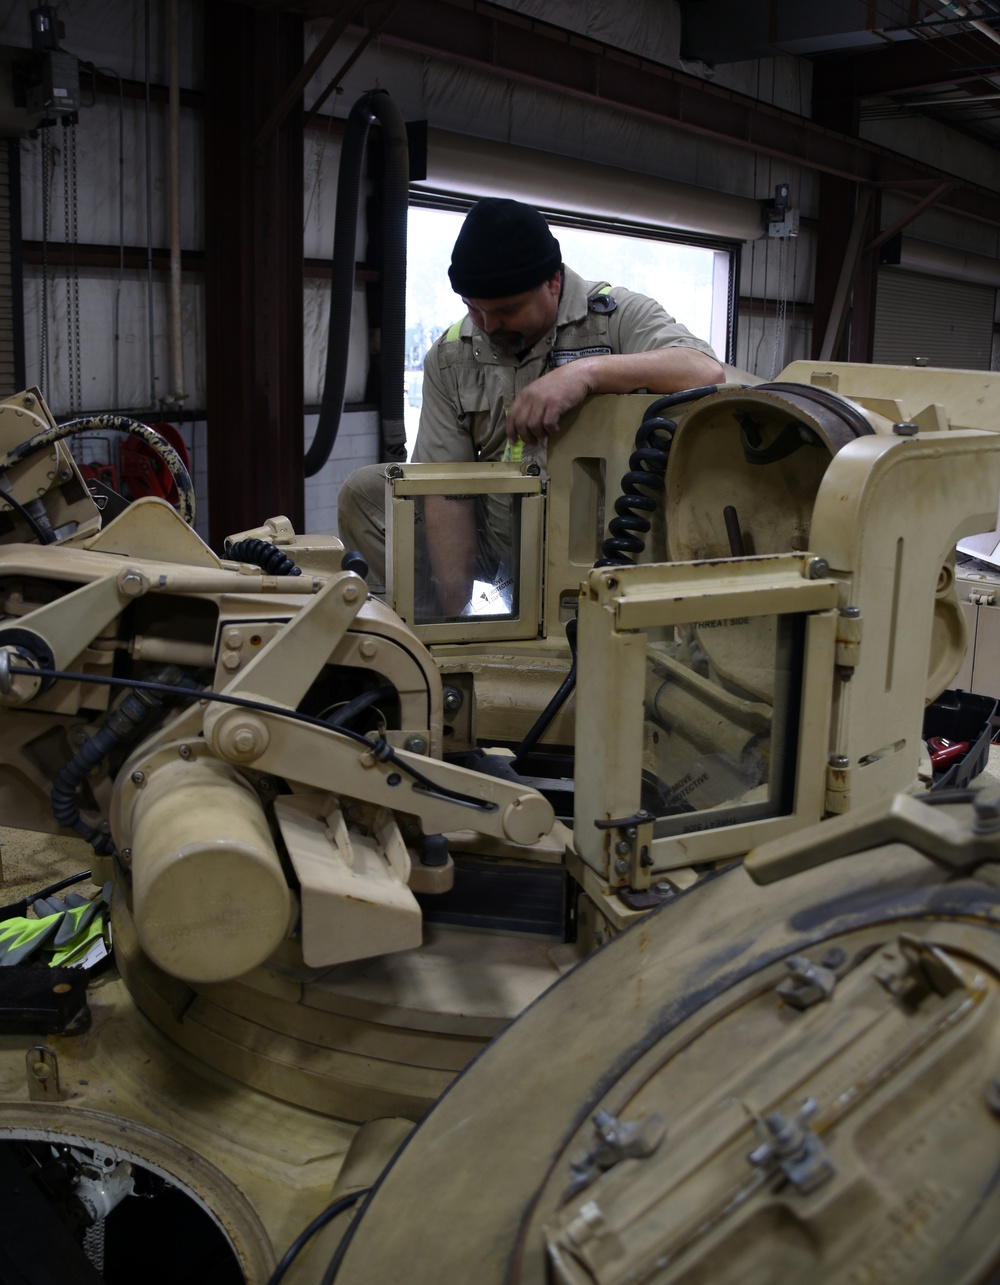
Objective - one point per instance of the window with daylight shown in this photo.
(692, 280)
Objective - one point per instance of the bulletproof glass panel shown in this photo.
(484, 534)
(721, 710)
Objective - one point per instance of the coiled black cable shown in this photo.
(647, 467)
(263, 554)
(130, 714)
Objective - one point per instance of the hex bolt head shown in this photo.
(350, 593)
(621, 866)
(453, 700)
(230, 660)
(132, 582)
(623, 846)
(817, 568)
(907, 429)
(416, 744)
(138, 778)
(244, 741)
(233, 638)
(368, 647)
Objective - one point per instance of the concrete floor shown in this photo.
(30, 861)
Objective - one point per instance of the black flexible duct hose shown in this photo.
(373, 105)
(647, 467)
(260, 553)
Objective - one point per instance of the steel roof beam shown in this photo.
(487, 38)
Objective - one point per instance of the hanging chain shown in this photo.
(781, 306)
(74, 375)
(43, 326)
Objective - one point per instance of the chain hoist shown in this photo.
(71, 223)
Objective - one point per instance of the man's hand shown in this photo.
(536, 411)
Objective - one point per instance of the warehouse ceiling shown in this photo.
(898, 59)
(892, 58)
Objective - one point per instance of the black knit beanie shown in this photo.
(504, 248)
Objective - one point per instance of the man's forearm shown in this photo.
(450, 526)
(538, 408)
(661, 370)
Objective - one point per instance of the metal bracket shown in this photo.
(42, 1069)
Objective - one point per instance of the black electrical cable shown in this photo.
(380, 748)
(119, 424)
(40, 534)
(317, 1224)
(349, 711)
(541, 724)
(58, 887)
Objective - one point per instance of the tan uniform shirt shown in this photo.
(468, 384)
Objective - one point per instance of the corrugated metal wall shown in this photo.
(8, 293)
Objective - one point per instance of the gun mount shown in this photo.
(339, 868)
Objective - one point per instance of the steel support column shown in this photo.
(836, 108)
(253, 217)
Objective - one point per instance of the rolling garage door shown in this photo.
(942, 322)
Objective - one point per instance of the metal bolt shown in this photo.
(138, 778)
(266, 786)
(394, 470)
(621, 866)
(532, 468)
(907, 429)
(65, 474)
(817, 568)
(415, 744)
(453, 700)
(185, 751)
(126, 856)
(233, 638)
(632, 832)
(244, 741)
(230, 660)
(610, 582)
(132, 583)
(623, 846)
(849, 613)
(350, 593)
(368, 647)
(840, 761)
(28, 400)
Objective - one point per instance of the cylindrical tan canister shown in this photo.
(209, 896)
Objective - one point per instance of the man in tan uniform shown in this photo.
(537, 340)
